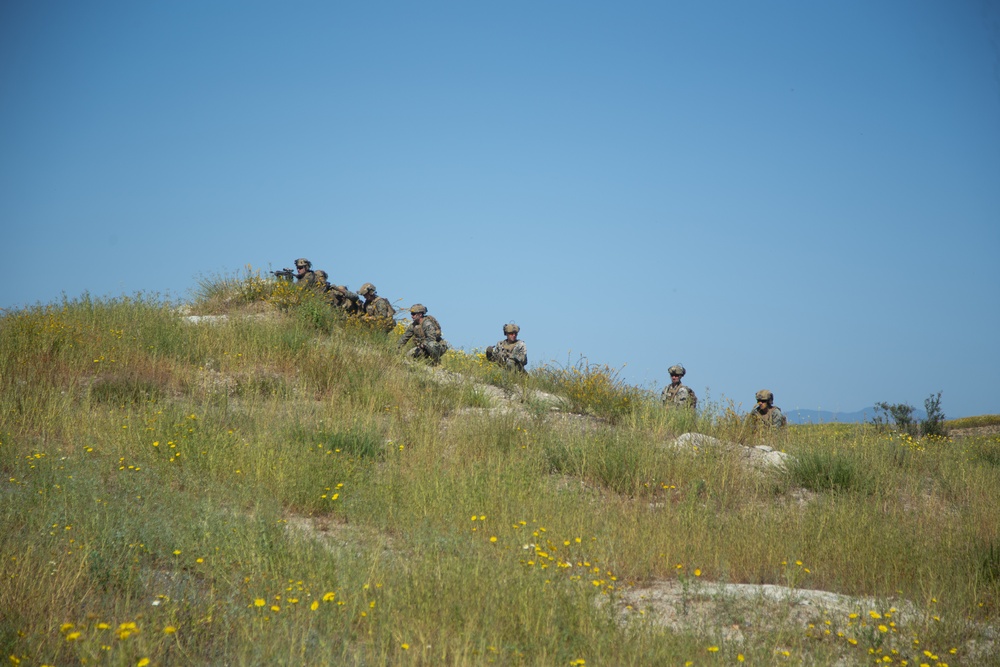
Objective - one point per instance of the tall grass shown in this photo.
(281, 487)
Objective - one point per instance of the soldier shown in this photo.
(426, 334)
(766, 413)
(677, 394)
(304, 275)
(377, 309)
(337, 295)
(510, 353)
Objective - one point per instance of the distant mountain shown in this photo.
(826, 417)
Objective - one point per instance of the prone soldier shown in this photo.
(338, 295)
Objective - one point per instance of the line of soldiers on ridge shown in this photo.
(510, 353)
(424, 330)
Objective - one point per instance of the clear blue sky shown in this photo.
(801, 196)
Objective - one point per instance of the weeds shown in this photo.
(593, 388)
(283, 488)
(829, 471)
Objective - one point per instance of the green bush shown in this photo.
(593, 388)
(829, 471)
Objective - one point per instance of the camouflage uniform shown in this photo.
(771, 418)
(308, 278)
(337, 295)
(377, 309)
(678, 394)
(427, 341)
(510, 354)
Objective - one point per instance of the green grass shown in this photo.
(282, 488)
(972, 422)
(830, 471)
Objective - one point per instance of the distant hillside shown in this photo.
(825, 416)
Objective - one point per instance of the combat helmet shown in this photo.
(302, 261)
(321, 275)
(511, 329)
(418, 309)
(366, 289)
(677, 370)
(765, 395)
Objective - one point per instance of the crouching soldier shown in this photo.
(426, 334)
(376, 309)
(510, 353)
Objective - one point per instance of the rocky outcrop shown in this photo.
(761, 457)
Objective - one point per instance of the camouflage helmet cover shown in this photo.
(765, 395)
(511, 328)
(322, 275)
(418, 308)
(677, 370)
(367, 288)
(302, 261)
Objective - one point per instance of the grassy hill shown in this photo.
(278, 486)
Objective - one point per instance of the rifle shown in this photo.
(285, 274)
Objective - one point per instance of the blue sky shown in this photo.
(798, 196)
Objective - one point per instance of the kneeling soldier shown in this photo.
(510, 353)
(426, 334)
(377, 309)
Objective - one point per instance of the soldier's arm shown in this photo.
(407, 335)
(520, 353)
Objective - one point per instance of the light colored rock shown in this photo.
(205, 319)
(761, 457)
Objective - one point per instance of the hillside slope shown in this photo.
(279, 486)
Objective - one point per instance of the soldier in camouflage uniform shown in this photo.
(766, 414)
(426, 334)
(337, 295)
(304, 275)
(377, 309)
(677, 394)
(510, 353)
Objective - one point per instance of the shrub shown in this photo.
(933, 424)
(216, 292)
(900, 413)
(125, 388)
(828, 471)
(593, 388)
